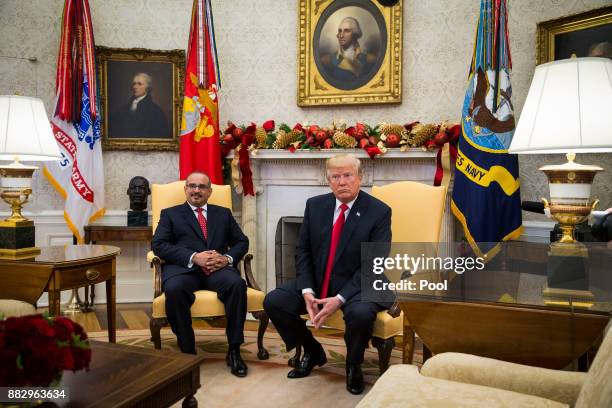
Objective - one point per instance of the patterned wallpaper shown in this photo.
(257, 45)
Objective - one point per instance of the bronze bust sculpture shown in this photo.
(138, 191)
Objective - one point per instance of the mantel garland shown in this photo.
(375, 140)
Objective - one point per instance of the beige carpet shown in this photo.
(267, 383)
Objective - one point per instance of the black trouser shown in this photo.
(231, 290)
(285, 304)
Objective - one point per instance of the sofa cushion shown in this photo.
(402, 386)
(557, 385)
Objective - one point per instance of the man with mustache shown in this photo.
(201, 245)
(328, 271)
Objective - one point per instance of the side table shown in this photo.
(95, 233)
(60, 268)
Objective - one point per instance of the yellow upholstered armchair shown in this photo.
(465, 380)
(417, 213)
(206, 304)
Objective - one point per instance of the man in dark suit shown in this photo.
(201, 245)
(328, 262)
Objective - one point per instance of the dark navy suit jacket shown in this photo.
(369, 220)
(178, 236)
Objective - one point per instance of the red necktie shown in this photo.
(202, 222)
(335, 239)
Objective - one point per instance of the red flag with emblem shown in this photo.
(199, 141)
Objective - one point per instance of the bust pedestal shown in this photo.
(137, 218)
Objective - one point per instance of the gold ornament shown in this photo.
(388, 128)
(344, 140)
(283, 139)
(421, 133)
(261, 137)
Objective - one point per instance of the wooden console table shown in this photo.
(129, 376)
(95, 233)
(105, 233)
(60, 268)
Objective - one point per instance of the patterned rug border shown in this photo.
(211, 342)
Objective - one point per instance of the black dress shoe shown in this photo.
(236, 364)
(308, 362)
(354, 378)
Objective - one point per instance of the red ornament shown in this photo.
(392, 140)
(328, 144)
(268, 125)
(313, 129)
(320, 136)
(363, 143)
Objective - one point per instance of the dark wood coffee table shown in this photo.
(129, 376)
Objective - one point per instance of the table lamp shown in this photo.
(25, 135)
(568, 110)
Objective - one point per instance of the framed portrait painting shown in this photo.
(580, 35)
(141, 92)
(350, 52)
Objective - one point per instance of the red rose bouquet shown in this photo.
(36, 349)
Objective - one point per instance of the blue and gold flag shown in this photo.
(486, 196)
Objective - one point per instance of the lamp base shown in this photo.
(581, 299)
(17, 238)
(568, 266)
(21, 253)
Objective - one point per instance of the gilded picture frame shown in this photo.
(576, 35)
(363, 66)
(141, 93)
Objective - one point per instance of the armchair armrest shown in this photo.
(557, 385)
(156, 263)
(394, 310)
(248, 272)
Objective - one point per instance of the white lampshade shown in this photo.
(568, 108)
(25, 131)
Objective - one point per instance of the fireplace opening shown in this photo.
(286, 237)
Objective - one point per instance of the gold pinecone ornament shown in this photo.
(284, 139)
(388, 128)
(421, 133)
(261, 136)
(344, 140)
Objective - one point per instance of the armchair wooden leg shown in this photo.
(293, 361)
(408, 345)
(155, 325)
(263, 318)
(384, 347)
(190, 402)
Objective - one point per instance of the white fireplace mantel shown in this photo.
(283, 182)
